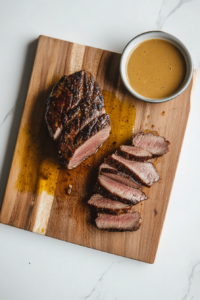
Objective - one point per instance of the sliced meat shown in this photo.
(105, 205)
(142, 172)
(76, 118)
(75, 147)
(123, 222)
(75, 95)
(118, 176)
(134, 153)
(156, 145)
(117, 191)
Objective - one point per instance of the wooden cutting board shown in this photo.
(36, 197)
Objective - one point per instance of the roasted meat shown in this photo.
(74, 148)
(76, 118)
(118, 176)
(117, 191)
(134, 153)
(142, 172)
(123, 222)
(156, 145)
(105, 205)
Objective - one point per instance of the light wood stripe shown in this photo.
(43, 213)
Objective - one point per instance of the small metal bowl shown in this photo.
(155, 35)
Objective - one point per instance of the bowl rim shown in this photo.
(182, 46)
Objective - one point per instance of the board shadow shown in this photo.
(18, 109)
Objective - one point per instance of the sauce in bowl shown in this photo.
(156, 69)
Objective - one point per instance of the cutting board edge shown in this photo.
(50, 37)
(191, 95)
(18, 134)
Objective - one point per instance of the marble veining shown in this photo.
(99, 283)
(194, 274)
(10, 113)
(167, 9)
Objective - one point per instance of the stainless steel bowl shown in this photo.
(155, 35)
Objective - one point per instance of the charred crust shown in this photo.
(135, 228)
(99, 189)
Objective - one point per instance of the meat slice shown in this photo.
(156, 145)
(123, 222)
(105, 205)
(76, 147)
(117, 191)
(118, 176)
(134, 153)
(142, 172)
(86, 112)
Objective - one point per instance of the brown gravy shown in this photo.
(156, 69)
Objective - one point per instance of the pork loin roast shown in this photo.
(76, 118)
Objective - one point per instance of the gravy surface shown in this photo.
(156, 69)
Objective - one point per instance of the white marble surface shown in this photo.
(34, 267)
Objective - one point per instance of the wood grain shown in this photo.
(68, 217)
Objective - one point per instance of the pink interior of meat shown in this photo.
(152, 143)
(125, 221)
(136, 151)
(144, 170)
(89, 147)
(122, 179)
(120, 189)
(101, 202)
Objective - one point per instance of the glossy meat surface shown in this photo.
(142, 172)
(123, 222)
(75, 113)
